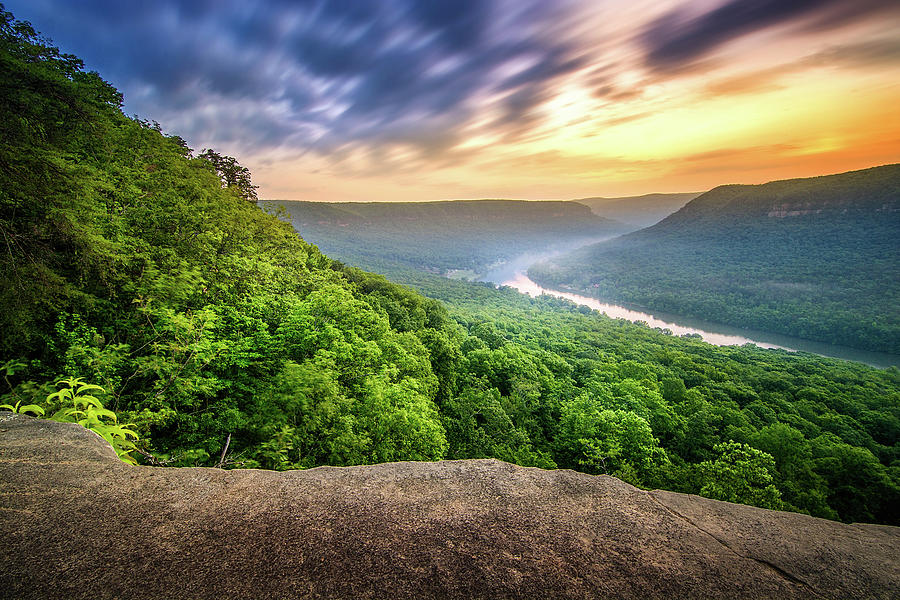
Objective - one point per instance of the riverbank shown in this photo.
(513, 274)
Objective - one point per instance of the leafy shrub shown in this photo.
(79, 406)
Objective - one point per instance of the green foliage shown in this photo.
(275, 453)
(478, 426)
(740, 474)
(556, 369)
(78, 406)
(814, 258)
(136, 264)
(614, 442)
(9, 369)
(18, 407)
(226, 340)
(234, 176)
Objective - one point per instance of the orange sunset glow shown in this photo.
(522, 100)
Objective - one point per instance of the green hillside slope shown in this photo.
(817, 258)
(224, 339)
(439, 237)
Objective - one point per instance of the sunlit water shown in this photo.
(513, 274)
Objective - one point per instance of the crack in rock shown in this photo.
(782, 572)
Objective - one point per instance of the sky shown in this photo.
(380, 100)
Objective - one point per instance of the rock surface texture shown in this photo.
(75, 522)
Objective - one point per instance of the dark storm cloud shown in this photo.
(314, 74)
(680, 37)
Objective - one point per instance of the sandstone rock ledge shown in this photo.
(75, 522)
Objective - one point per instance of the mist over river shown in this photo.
(514, 274)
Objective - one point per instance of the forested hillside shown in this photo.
(608, 396)
(462, 235)
(138, 266)
(816, 258)
(640, 211)
(133, 263)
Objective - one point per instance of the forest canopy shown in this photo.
(223, 339)
(815, 258)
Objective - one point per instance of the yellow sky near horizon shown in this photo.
(534, 99)
(771, 105)
(777, 103)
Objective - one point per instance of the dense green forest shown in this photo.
(465, 236)
(815, 258)
(639, 211)
(223, 339)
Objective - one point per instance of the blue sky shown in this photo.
(410, 99)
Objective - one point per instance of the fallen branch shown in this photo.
(224, 452)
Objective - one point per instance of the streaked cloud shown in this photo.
(869, 54)
(317, 75)
(419, 99)
(683, 35)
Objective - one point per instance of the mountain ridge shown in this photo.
(479, 208)
(800, 196)
(815, 258)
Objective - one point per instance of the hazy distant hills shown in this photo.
(641, 211)
(454, 213)
(444, 236)
(817, 257)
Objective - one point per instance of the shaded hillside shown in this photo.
(874, 191)
(463, 529)
(640, 211)
(442, 236)
(817, 258)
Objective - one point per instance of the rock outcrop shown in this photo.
(75, 522)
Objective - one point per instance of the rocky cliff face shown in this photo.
(75, 522)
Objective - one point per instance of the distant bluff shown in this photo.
(75, 522)
(873, 192)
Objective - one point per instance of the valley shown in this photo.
(680, 325)
(459, 238)
(811, 281)
(811, 258)
(427, 300)
(148, 295)
(638, 211)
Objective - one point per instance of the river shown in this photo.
(513, 274)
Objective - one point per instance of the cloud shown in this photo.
(318, 75)
(761, 80)
(871, 54)
(446, 93)
(680, 37)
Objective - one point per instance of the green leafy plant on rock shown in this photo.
(18, 407)
(79, 406)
